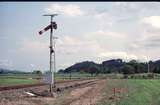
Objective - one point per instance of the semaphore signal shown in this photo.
(51, 26)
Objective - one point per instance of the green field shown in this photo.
(13, 81)
(140, 92)
(19, 79)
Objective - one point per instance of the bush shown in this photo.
(125, 77)
(150, 76)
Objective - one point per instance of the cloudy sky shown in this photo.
(94, 31)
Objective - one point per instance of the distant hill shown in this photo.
(4, 71)
(157, 63)
(81, 67)
(113, 66)
(155, 66)
(7, 71)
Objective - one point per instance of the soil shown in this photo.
(87, 94)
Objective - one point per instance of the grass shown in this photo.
(18, 79)
(13, 81)
(140, 92)
(20, 76)
(74, 76)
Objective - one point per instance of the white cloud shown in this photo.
(101, 15)
(6, 63)
(104, 34)
(127, 5)
(109, 40)
(152, 20)
(32, 65)
(134, 45)
(64, 65)
(120, 3)
(34, 47)
(144, 58)
(75, 45)
(122, 55)
(67, 40)
(70, 9)
(90, 44)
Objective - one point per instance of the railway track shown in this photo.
(38, 94)
(35, 85)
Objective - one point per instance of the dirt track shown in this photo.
(89, 94)
(86, 94)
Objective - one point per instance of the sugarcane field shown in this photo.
(79, 53)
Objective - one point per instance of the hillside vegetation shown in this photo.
(114, 66)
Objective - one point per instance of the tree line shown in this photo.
(114, 66)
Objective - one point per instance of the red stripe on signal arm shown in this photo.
(48, 27)
(40, 32)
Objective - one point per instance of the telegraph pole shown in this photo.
(54, 45)
(148, 67)
(51, 51)
(147, 64)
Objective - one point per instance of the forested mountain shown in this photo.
(114, 66)
(86, 66)
(155, 66)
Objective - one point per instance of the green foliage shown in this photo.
(73, 76)
(114, 66)
(144, 76)
(128, 69)
(37, 72)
